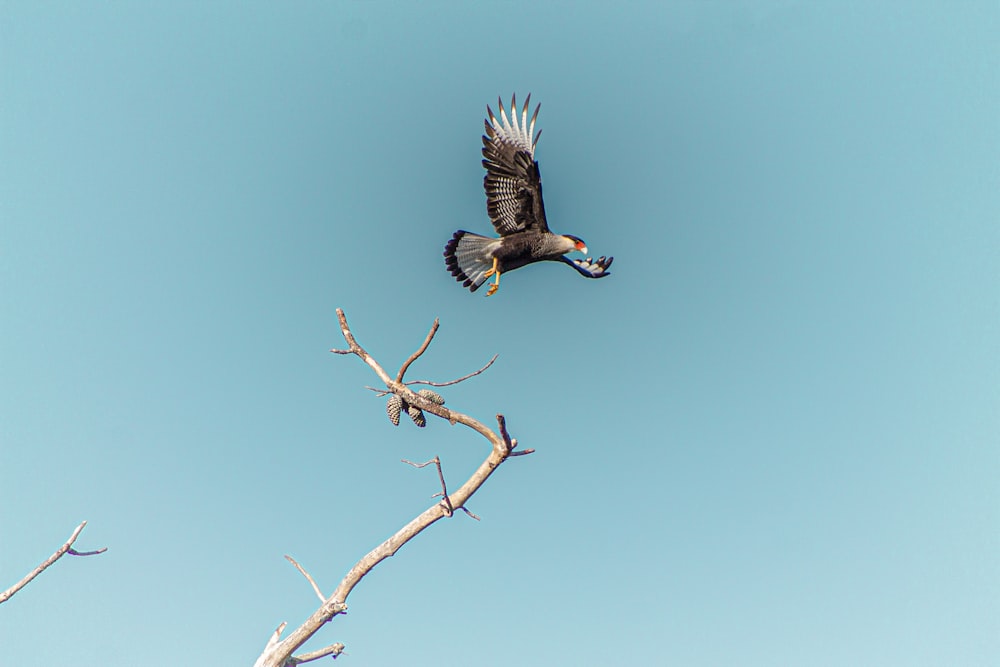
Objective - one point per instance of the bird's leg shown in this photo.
(496, 282)
(489, 273)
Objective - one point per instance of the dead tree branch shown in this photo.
(444, 487)
(332, 649)
(461, 379)
(66, 548)
(383, 392)
(421, 350)
(278, 652)
(319, 594)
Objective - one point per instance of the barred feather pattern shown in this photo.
(469, 256)
(513, 183)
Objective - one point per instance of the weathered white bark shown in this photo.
(66, 548)
(278, 652)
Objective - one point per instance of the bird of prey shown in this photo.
(514, 203)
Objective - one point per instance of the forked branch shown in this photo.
(461, 379)
(420, 351)
(66, 548)
(278, 652)
(445, 498)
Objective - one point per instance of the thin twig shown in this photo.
(416, 355)
(74, 552)
(522, 452)
(444, 488)
(60, 552)
(319, 594)
(463, 508)
(385, 392)
(461, 379)
(418, 465)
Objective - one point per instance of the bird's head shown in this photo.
(575, 243)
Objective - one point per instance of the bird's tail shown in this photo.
(469, 256)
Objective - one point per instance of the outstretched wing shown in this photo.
(591, 268)
(513, 184)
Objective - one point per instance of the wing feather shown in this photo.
(513, 182)
(590, 267)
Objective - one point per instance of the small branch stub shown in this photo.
(333, 650)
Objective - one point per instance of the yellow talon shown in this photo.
(496, 282)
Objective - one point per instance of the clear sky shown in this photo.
(771, 437)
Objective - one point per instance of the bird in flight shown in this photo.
(514, 203)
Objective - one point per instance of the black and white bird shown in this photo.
(514, 203)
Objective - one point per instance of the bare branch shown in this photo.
(413, 398)
(352, 344)
(270, 647)
(383, 392)
(502, 423)
(523, 452)
(278, 653)
(461, 379)
(322, 598)
(74, 552)
(418, 465)
(444, 488)
(416, 355)
(332, 649)
(60, 552)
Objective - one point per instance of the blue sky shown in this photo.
(771, 437)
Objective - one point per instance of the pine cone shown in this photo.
(393, 407)
(417, 415)
(431, 396)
